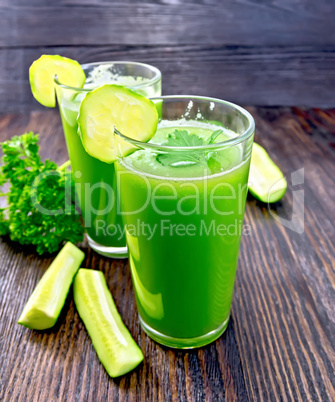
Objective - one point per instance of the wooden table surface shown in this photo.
(279, 345)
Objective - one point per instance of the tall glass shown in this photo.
(183, 209)
(95, 180)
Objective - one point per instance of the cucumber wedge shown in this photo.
(47, 300)
(112, 341)
(266, 181)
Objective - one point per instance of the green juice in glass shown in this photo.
(95, 180)
(95, 185)
(183, 229)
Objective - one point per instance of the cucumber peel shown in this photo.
(115, 347)
(47, 300)
(266, 181)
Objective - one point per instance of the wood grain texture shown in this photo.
(243, 74)
(279, 345)
(241, 22)
(253, 52)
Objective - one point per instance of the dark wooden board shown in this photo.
(279, 345)
(302, 75)
(253, 52)
(242, 22)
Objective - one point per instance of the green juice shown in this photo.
(95, 180)
(95, 188)
(183, 229)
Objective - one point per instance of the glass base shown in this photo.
(112, 252)
(184, 343)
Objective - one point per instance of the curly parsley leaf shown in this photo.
(4, 224)
(182, 138)
(39, 209)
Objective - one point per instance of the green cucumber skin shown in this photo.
(47, 300)
(97, 309)
(276, 195)
(266, 199)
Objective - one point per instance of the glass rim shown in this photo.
(222, 144)
(151, 81)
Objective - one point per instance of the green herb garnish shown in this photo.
(22, 219)
(182, 138)
(214, 135)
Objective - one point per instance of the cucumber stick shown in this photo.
(266, 181)
(47, 300)
(112, 341)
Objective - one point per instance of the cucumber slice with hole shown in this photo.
(112, 106)
(42, 73)
(47, 300)
(266, 181)
(112, 341)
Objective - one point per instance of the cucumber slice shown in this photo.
(266, 181)
(112, 341)
(47, 300)
(112, 106)
(42, 73)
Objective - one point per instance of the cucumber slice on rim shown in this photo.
(42, 73)
(112, 106)
(266, 181)
(47, 300)
(112, 341)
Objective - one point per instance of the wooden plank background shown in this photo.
(255, 52)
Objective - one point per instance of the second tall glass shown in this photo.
(95, 180)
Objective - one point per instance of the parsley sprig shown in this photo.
(182, 138)
(21, 218)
